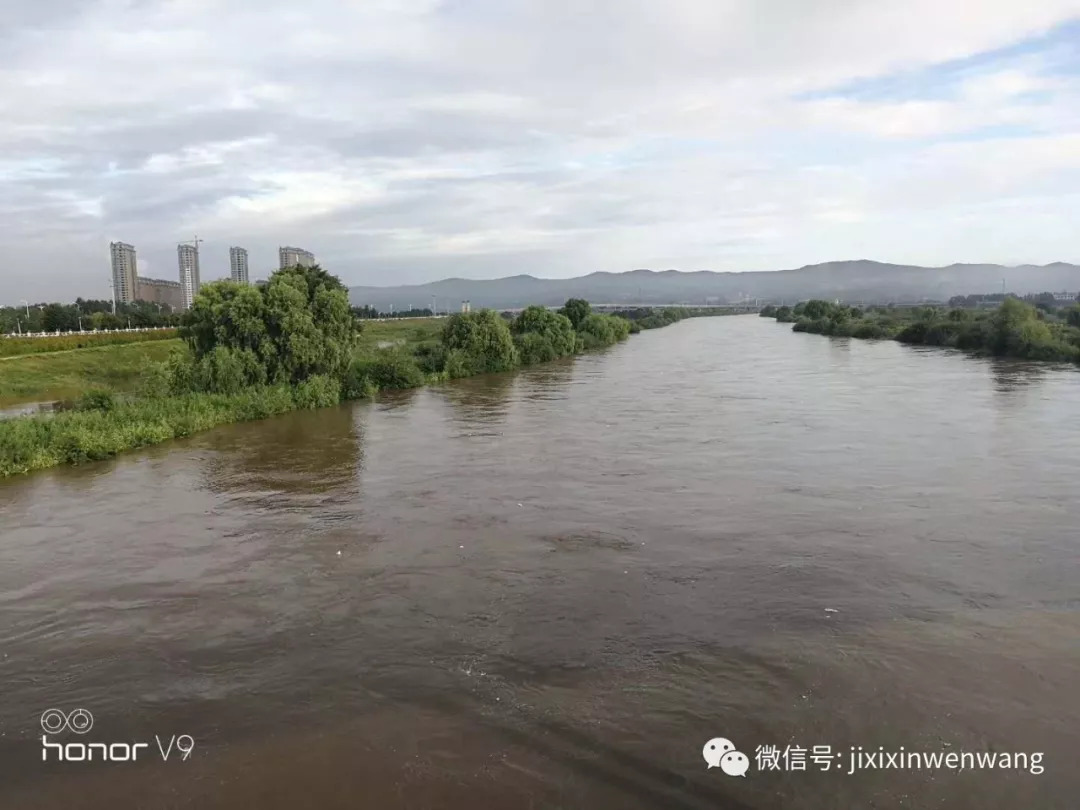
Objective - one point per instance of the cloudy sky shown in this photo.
(407, 140)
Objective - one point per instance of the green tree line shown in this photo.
(1014, 328)
(89, 315)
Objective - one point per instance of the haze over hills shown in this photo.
(860, 280)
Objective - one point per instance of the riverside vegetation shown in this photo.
(18, 347)
(252, 352)
(1013, 329)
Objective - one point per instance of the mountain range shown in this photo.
(861, 280)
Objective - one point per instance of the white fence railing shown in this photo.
(72, 332)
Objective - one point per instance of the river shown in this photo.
(549, 589)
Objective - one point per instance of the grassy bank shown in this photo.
(50, 376)
(189, 393)
(1013, 329)
(103, 427)
(16, 347)
(406, 335)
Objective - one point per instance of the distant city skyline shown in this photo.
(127, 284)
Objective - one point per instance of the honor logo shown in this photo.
(80, 721)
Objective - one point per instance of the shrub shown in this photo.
(576, 310)
(479, 342)
(320, 391)
(154, 382)
(598, 331)
(541, 335)
(227, 370)
(394, 370)
(942, 333)
(358, 383)
(868, 330)
(431, 357)
(96, 399)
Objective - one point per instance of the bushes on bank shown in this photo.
(96, 399)
(598, 331)
(320, 391)
(576, 310)
(1014, 329)
(541, 336)
(390, 370)
(478, 343)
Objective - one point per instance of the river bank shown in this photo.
(105, 421)
(1013, 329)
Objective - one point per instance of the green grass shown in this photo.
(408, 334)
(14, 347)
(42, 377)
(78, 436)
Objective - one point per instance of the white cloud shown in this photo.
(440, 136)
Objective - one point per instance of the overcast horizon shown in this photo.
(413, 140)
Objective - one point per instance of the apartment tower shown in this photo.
(125, 273)
(188, 259)
(238, 265)
(292, 256)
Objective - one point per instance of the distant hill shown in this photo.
(861, 280)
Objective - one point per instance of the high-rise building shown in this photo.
(188, 258)
(238, 265)
(160, 291)
(124, 272)
(292, 256)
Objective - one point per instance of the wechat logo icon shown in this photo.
(721, 753)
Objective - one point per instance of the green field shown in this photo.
(64, 375)
(13, 346)
(59, 375)
(409, 334)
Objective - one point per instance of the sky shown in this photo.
(404, 141)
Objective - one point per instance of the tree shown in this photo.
(296, 327)
(817, 308)
(542, 335)
(57, 317)
(1073, 316)
(478, 342)
(603, 330)
(577, 310)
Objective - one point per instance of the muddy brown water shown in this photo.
(549, 589)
